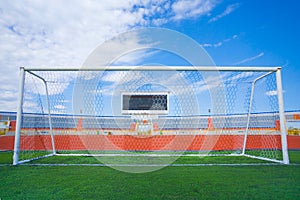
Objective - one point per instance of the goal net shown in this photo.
(150, 111)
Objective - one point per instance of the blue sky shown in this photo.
(64, 33)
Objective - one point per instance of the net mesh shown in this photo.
(216, 112)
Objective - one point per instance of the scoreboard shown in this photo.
(145, 103)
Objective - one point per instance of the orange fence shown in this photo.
(143, 143)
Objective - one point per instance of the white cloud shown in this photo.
(118, 77)
(250, 59)
(63, 33)
(239, 76)
(220, 43)
(271, 93)
(60, 107)
(211, 81)
(126, 49)
(192, 8)
(229, 9)
(31, 107)
(136, 57)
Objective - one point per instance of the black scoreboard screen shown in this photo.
(149, 103)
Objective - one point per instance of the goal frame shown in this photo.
(277, 70)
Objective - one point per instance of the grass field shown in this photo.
(204, 182)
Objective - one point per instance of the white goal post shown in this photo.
(212, 110)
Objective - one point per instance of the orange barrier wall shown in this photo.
(293, 141)
(7, 143)
(164, 142)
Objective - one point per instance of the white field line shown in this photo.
(160, 165)
(147, 155)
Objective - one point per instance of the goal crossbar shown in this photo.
(154, 68)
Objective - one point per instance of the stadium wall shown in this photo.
(164, 142)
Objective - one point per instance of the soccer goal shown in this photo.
(150, 112)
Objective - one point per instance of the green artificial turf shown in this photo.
(204, 182)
